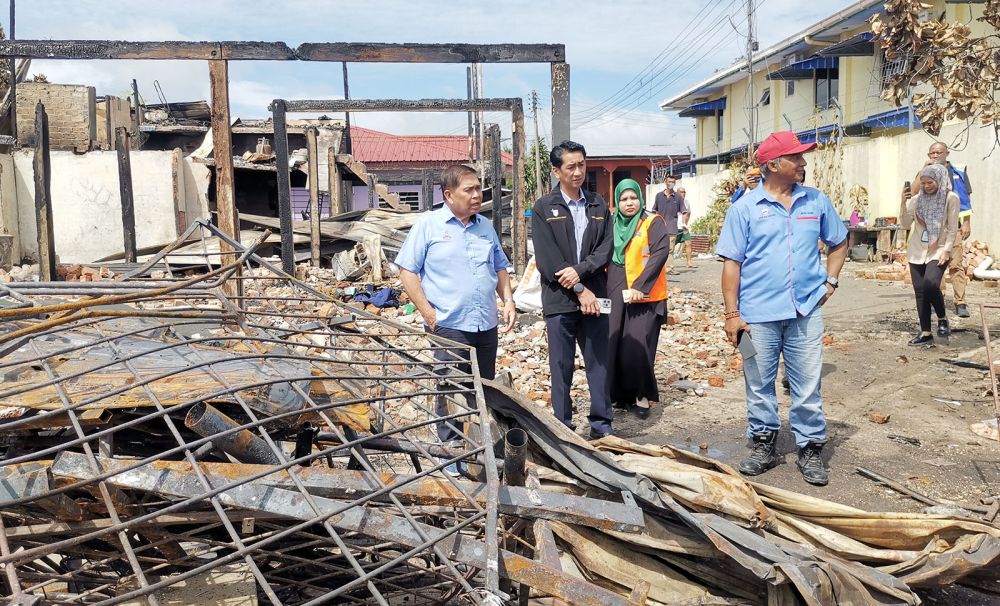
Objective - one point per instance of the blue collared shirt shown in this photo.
(458, 266)
(781, 276)
(578, 210)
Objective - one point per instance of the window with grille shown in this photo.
(407, 199)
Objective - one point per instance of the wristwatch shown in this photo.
(834, 282)
(578, 287)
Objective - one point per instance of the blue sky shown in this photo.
(625, 56)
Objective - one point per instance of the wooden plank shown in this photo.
(125, 187)
(361, 52)
(136, 116)
(354, 167)
(337, 204)
(177, 172)
(313, 194)
(500, 104)
(173, 49)
(278, 113)
(560, 103)
(222, 141)
(519, 228)
(355, 231)
(43, 197)
(493, 167)
(427, 189)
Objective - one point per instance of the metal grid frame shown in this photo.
(87, 387)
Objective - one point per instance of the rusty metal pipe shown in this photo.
(515, 452)
(207, 421)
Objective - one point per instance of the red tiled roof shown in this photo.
(369, 145)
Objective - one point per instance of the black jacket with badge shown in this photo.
(553, 236)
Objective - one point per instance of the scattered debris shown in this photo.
(904, 440)
(878, 418)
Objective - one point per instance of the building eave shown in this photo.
(766, 57)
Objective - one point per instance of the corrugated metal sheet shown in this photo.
(375, 146)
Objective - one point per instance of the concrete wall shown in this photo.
(71, 110)
(86, 202)
(8, 203)
(882, 164)
(111, 113)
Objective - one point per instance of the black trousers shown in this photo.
(591, 332)
(485, 343)
(927, 288)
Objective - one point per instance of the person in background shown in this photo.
(684, 230)
(960, 184)
(751, 178)
(571, 231)
(932, 218)
(767, 238)
(637, 285)
(669, 205)
(453, 268)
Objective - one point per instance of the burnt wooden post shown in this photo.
(560, 105)
(43, 197)
(494, 169)
(426, 189)
(314, 234)
(278, 111)
(125, 186)
(372, 194)
(222, 140)
(337, 206)
(518, 226)
(136, 115)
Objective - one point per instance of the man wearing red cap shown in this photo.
(774, 285)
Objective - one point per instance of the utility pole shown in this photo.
(538, 146)
(468, 95)
(751, 99)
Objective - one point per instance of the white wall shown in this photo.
(86, 207)
(699, 192)
(8, 203)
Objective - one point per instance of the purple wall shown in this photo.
(360, 194)
(300, 202)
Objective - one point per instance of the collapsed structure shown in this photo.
(167, 442)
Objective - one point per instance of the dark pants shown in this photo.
(591, 332)
(927, 287)
(485, 343)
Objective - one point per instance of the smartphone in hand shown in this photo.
(745, 344)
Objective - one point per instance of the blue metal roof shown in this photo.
(817, 135)
(803, 70)
(897, 118)
(705, 108)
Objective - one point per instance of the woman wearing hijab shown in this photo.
(637, 286)
(932, 218)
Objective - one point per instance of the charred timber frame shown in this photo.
(218, 54)
(280, 107)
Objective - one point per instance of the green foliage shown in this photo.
(711, 223)
(529, 167)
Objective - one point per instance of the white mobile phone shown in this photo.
(605, 305)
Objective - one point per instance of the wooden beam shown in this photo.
(125, 187)
(560, 103)
(363, 52)
(427, 189)
(493, 167)
(222, 143)
(180, 208)
(336, 186)
(518, 227)
(351, 52)
(402, 105)
(43, 197)
(284, 186)
(120, 49)
(311, 148)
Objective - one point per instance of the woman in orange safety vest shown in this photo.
(637, 286)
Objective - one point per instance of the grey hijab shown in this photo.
(930, 208)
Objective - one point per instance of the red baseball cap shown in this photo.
(781, 143)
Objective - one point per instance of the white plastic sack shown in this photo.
(528, 295)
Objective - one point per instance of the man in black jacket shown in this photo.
(572, 236)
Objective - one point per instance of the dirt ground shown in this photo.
(870, 323)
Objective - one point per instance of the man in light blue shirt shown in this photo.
(453, 267)
(774, 285)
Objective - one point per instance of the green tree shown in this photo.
(531, 178)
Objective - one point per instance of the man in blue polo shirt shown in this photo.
(453, 267)
(773, 285)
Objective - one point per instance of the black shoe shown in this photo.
(962, 310)
(922, 340)
(811, 464)
(597, 435)
(641, 411)
(943, 329)
(763, 456)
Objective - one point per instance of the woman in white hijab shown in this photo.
(932, 218)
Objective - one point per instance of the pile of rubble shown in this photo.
(978, 262)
